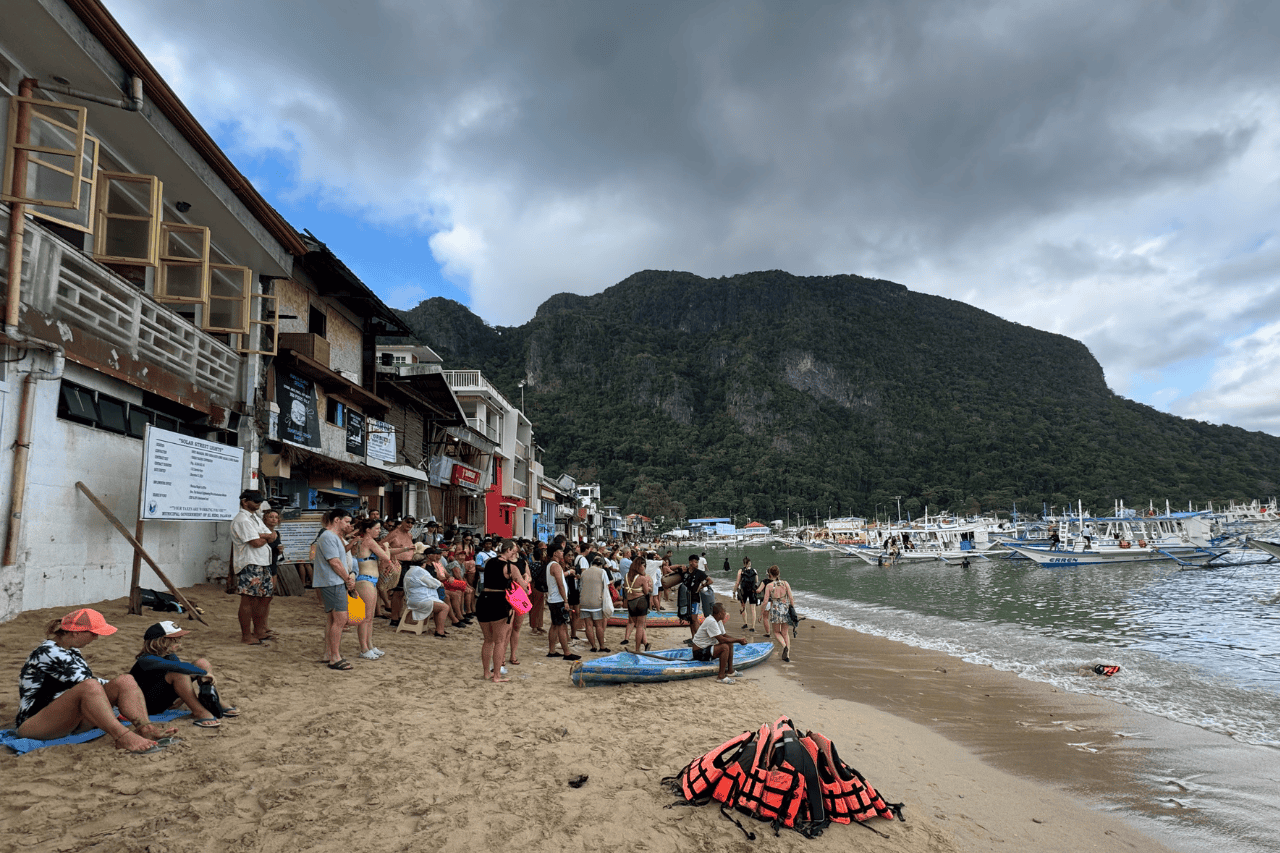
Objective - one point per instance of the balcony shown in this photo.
(471, 383)
(64, 284)
(519, 489)
(484, 429)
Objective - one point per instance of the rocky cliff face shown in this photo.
(768, 390)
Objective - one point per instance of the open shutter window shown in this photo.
(127, 225)
(45, 151)
(81, 219)
(184, 264)
(261, 339)
(228, 299)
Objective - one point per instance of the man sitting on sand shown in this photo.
(711, 641)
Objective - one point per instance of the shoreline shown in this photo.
(415, 748)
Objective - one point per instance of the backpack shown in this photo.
(749, 583)
(774, 773)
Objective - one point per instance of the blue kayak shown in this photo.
(662, 665)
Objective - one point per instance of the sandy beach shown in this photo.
(414, 751)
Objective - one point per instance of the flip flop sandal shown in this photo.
(341, 664)
(210, 723)
(230, 712)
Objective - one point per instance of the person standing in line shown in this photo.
(331, 578)
(371, 559)
(746, 588)
(653, 568)
(521, 575)
(538, 583)
(494, 613)
(595, 586)
(777, 601)
(636, 589)
(251, 560)
(557, 598)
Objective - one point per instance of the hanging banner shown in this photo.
(381, 441)
(355, 433)
(299, 412)
(189, 479)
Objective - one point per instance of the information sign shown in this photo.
(295, 540)
(381, 441)
(189, 479)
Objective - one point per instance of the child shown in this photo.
(167, 682)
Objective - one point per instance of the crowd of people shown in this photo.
(360, 566)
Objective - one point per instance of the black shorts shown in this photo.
(492, 607)
(748, 597)
(558, 614)
(702, 654)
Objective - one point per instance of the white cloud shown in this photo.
(1101, 170)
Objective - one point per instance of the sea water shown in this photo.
(1199, 647)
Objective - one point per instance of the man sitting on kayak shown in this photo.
(711, 641)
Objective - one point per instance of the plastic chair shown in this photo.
(408, 626)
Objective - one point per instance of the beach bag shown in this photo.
(607, 602)
(519, 599)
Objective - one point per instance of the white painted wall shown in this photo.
(69, 554)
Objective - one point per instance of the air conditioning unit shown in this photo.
(312, 346)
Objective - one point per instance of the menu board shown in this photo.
(295, 540)
(189, 479)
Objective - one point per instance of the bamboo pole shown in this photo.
(192, 613)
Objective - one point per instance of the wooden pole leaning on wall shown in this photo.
(192, 613)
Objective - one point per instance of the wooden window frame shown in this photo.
(246, 293)
(169, 262)
(103, 218)
(21, 153)
(246, 347)
(88, 185)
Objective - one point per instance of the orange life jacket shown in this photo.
(774, 773)
(846, 795)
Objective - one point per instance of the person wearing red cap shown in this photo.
(58, 694)
(168, 682)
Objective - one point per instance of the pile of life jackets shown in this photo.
(776, 774)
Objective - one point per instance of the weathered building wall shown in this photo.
(69, 554)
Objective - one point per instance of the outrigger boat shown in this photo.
(1080, 554)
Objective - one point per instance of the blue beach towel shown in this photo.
(23, 745)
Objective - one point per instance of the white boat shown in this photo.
(1082, 554)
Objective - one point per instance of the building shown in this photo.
(145, 297)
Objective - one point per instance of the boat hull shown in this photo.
(1098, 555)
(674, 665)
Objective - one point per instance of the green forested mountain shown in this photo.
(768, 392)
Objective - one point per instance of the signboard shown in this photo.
(299, 416)
(189, 479)
(355, 433)
(463, 474)
(381, 441)
(295, 540)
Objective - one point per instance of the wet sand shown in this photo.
(1165, 778)
(416, 751)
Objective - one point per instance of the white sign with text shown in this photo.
(189, 479)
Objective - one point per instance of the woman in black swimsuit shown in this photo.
(493, 612)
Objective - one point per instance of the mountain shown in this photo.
(766, 393)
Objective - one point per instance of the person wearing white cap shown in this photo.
(169, 682)
(58, 694)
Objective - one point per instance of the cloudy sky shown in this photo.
(1109, 171)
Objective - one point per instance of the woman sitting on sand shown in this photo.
(637, 588)
(58, 694)
(167, 682)
(777, 601)
(371, 557)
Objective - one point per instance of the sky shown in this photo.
(1106, 171)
